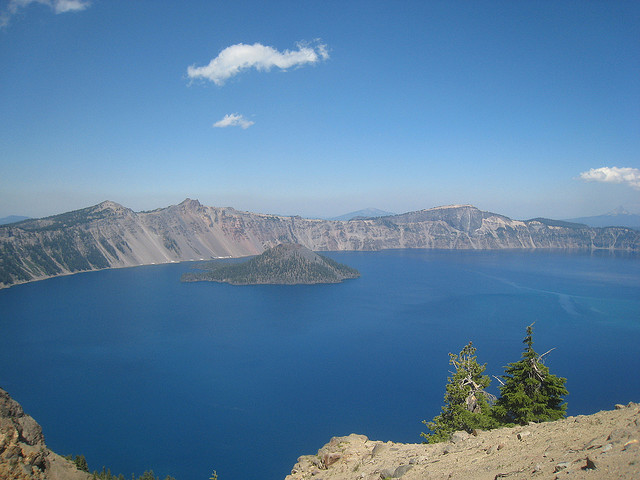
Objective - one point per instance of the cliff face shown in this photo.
(23, 453)
(600, 446)
(110, 235)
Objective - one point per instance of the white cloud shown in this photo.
(233, 120)
(61, 6)
(58, 6)
(628, 175)
(236, 58)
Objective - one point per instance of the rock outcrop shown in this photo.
(600, 446)
(23, 453)
(109, 235)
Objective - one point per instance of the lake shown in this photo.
(136, 370)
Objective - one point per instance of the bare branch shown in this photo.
(540, 357)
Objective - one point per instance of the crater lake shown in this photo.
(136, 370)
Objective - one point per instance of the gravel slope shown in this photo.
(600, 446)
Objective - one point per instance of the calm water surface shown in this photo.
(136, 370)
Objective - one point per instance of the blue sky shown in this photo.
(318, 108)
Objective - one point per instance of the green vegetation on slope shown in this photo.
(66, 220)
(105, 474)
(52, 254)
(53, 245)
(284, 264)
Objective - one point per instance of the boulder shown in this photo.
(23, 453)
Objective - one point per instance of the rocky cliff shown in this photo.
(109, 235)
(23, 453)
(600, 446)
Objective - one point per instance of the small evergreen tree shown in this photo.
(529, 392)
(81, 463)
(147, 475)
(466, 404)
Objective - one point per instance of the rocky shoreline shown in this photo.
(604, 445)
(23, 453)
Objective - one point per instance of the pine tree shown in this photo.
(466, 402)
(81, 463)
(530, 393)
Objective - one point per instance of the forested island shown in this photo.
(285, 264)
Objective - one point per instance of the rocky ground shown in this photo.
(23, 453)
(600, 446)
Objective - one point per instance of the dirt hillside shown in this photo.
(604, 445)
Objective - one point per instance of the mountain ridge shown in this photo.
(109, 235)
(616, 217)
(364, 213)
(12, 219)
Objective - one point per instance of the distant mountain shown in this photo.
(615, 218)
(287, 263)
(12, 219)
(360, 214)
(109, 235)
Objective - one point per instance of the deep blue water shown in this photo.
(136, 370)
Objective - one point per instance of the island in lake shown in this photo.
(285, 264)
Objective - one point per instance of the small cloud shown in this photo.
(236, 58)
(628, 175)
(61, 6)
(233, 120)
(58, 6)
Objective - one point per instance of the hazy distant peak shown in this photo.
(619, 211)
(365, 213)
(12, 219)
(619, 217)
